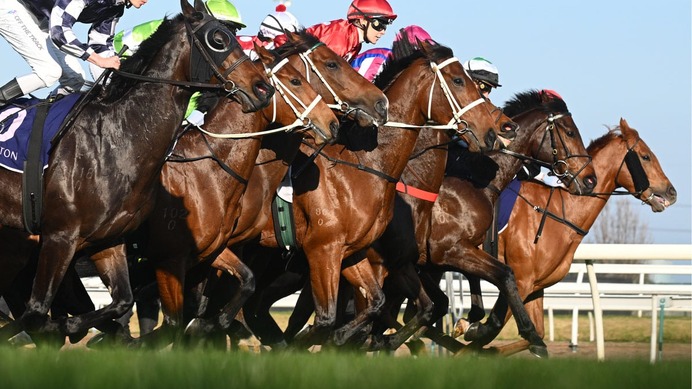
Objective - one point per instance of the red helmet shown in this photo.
(370, 9)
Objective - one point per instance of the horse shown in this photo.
(198, 202)
(360, 100)
(621, 159)
(331, 232)
(547, 134)
(103, 170)
(450, 228)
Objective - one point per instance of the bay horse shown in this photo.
(546, 134)
(197, 205)
(349, 95)
(103, 171)
(344, 200)
(621, 159)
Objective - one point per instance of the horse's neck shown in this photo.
(509, 165)
(585, 209)
(426, 170)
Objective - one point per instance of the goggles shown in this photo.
(380, 24)
(484, 87)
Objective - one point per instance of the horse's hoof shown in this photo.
(460, 328)
(539, 351)
(75, 338)
(98, 341)
(21, 339)
(198, 327)
(472, 332)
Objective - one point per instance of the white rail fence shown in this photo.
(669, 291)
(590, 295)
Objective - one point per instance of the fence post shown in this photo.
(652, 354)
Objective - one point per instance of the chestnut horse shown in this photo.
(103, 171)
(548, 134)
(197, 206)
(343, 202)
(339, 85)
(622, 160)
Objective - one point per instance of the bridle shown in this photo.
(559, 166)
(302, 119)
(457, 109)
(214, 57)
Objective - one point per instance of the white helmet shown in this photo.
(277, 23)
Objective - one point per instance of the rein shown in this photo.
(301, 118)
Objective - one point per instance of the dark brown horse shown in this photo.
(198, 204)
(450, 230)
(622, 160)
(103, 171)
(344, 201)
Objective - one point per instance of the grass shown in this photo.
(80, 368)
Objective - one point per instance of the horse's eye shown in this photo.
(218, 40)
(458, 81)
(571, 133)
(646, 157)
(296, 82)
(332, 65)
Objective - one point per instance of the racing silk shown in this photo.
(247, 43)
(339, 35)
(103, 15)
(134, 36)
(370, 62)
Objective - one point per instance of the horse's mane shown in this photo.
(140, 60)
(533, 99)
(403, 54)
(302, 41)
(601, 142)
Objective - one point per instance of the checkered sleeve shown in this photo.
(62, 20)
(101, 36)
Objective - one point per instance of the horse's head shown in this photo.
(555, 138)
(351, 95)
(216, 57)
(640, 172)
(297, 103)
(443, 93)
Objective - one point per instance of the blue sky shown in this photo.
(608, 59)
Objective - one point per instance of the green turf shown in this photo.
(81, 368)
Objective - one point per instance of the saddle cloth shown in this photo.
(16, 120)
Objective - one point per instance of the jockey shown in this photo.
(222, 10)
(371, 62)
(102, 16)
(273, 25)
(366, 21)
(27, 26)
(484, 73)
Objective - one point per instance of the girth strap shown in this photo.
(32, 179)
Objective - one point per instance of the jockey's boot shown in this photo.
(10, 91)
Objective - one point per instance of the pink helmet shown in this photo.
(370, 9)
(413, 32)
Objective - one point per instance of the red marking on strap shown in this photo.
(415, 192)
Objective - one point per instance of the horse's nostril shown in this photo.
(672, 192)
(381, 108)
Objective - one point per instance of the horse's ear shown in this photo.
(425, 47)
(624, 124)
(186, 8)
(292, 37)
(200, 7)
(265, 56)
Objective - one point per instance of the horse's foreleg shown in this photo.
(230, 264)
(54, 259)
(361, 276)
(324, 280)
(111, 265)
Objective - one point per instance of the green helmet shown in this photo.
(224, 10)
